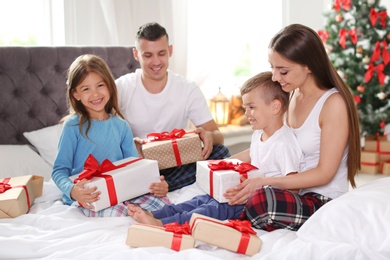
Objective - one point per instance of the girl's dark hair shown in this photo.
(77, 72)
(301, 44)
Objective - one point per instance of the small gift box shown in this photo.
(233, 235)
(17, 194)
(118, 181)
(174, 236)
(215, 177)
(369, 162)
(173, 149)
(382, 147)
(385, 167)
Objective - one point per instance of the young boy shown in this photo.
(274, 150)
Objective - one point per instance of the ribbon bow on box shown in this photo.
(242, 168)
(174, 134)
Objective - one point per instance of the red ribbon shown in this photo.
(343, 37)
(178, 231)
(377, 52)
(345, 3)
(374, 15)
(4, 186)
(379, 71)
(324, 35)
(173, 135)
(244, 226)
(242, 168)
(93, 169)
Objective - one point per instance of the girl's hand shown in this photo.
(159, 189)
(241, 193)
(207, 138)
(138, 144)
(85, 196)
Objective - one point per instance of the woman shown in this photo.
(323, 116)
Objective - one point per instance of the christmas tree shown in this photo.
(357, 36)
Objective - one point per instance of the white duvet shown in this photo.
(354, 226)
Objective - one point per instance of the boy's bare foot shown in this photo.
(142, 216)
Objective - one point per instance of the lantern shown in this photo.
(219, 107)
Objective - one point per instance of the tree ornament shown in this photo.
(361, 88)
(366, 59)
(381, 95)
(341, 73)
(370, 2)
(339, 18)
(359, 50)
(388, 37)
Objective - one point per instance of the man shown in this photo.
(155, 99)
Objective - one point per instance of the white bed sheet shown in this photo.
(52, 230)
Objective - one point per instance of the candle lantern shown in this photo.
(219, 107)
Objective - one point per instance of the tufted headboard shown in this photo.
(33, 84)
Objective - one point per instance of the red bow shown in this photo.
(242, 168)
(175, 133)
(244, 226)
(346, 4)
(343, 37)
(374, 17)
(385, 53)
(379, 71)
(178, 229)
(4, 187)
(324, 35)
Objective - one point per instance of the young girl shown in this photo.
(94, 126)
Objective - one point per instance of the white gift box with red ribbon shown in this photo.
(216, 176)
(119, 181)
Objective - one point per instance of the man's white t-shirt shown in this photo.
(180, 102)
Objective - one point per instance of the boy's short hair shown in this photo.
(269, 90)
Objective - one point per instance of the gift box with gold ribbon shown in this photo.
(17, 194)
(118, 181)
(216, 176)
(173, 149)
(234, 235)
(174, 236)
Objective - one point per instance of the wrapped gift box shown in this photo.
(130, 180)
(226, 234)
(380, 146)
(369, 162)
(139, 235)
(385, 168)
(175, 151)
(17, 194)
(216, 182)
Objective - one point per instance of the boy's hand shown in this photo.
(84, 196)
(159, 189)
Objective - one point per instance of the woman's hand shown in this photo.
(159, 189)
(85, 196)
(207, 138)
(241, 193)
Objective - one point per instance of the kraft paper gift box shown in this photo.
(226, 234)
(118, 181)
(173, 149)
(17, 194)
(385, 168)
(216, 182)
(382, 147)
(140, 235)
(369, 162)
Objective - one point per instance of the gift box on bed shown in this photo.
(369, 162)
(216, 176)
(173, 149)
(174, 236)
(17, 194)
(233, 235)
(118, 181)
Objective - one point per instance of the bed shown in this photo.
(32, 85)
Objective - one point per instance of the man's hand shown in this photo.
(159, 189)
(207, 138)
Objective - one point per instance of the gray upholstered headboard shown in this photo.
(33, 84)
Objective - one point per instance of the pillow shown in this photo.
(19, 160)
(359, 218)
(45, 140)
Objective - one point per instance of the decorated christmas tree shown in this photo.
(357, 36)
